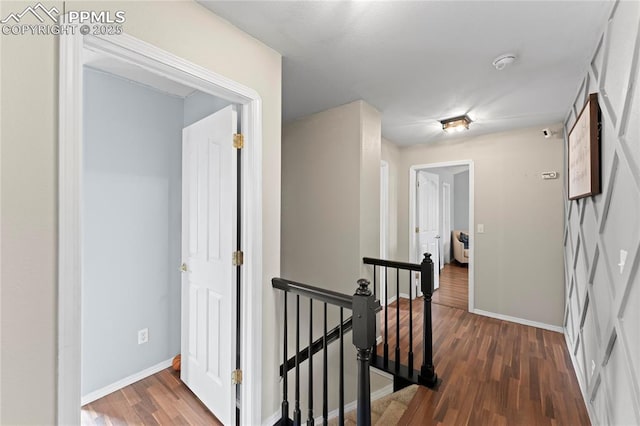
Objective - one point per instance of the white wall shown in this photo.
(461, 201)
(29, 114)
(602, 310)
(522, 215)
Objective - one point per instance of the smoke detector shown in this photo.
(502, 61)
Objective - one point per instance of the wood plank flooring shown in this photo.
(161, 399)
(454, 287)
(493, 372)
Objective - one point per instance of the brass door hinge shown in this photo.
(236, 377)
(238, 140)
(237, 258)
(417, 230)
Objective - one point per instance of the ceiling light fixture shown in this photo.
(502, 61)
(456, 124)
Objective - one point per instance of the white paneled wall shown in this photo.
(602, 314)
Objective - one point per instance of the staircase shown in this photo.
(363, 325)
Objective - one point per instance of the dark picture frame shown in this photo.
(583, 152)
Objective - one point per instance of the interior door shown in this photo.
(428, 223)
(208, 235)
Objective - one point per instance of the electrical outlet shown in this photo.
(480, 228)
(143, 336)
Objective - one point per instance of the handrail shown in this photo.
(315, 293)
(318, 345)
(392, 264)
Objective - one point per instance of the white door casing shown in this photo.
(428, 220)
(125, 47)
(208, 282)
(446, 225)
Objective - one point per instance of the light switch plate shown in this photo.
(623, 260)
(480, 228)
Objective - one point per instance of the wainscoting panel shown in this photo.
(602, 314)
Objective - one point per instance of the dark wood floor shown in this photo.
(493, 372)
(161, 399)
(454, 286)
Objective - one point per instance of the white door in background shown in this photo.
(428, 223)
(446, 225)
(208, 234)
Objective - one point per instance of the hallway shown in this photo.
(454, 287)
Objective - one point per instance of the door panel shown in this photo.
(429, 221)
(208, 193)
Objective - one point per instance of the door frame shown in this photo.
(384, 222)
(127, 48)
(413, 177)
(446, 218)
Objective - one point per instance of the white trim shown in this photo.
(413, 175)
(402, 296)
(380, 393)
(122, 383)
(556, 328)
(272, 419)
(155, 60)
(583, 389)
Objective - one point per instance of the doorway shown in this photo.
(441, 218)
(163, 66)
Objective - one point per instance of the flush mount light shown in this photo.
(456, 124)
(502, 61)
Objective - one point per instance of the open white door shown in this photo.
(428, 221)
(208, 282)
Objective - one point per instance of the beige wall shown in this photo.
(29, 91)
(330, 218)
(518, 259)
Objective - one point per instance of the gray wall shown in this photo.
(602, 311)
(131, 217)
(461, 201)
(522, 215)
(132, 224)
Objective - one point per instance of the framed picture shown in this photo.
(584, 152)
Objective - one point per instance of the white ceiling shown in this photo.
(421, 61)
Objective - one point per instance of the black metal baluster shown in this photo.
(325, 382)
(341, 372)
(410, 325)
(397, 318)
(374, 281)
(285, 402)
(296, 411)
(386, 318)
(310, 420)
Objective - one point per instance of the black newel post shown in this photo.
(364, 338)
(427, 374)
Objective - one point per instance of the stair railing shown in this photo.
(404, 375)
(364, 308)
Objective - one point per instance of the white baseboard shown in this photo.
(382, 392)
(556, 328)
(581, 384)
(393, 298)
(387, 390)
(97, 394)
(272, 419)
